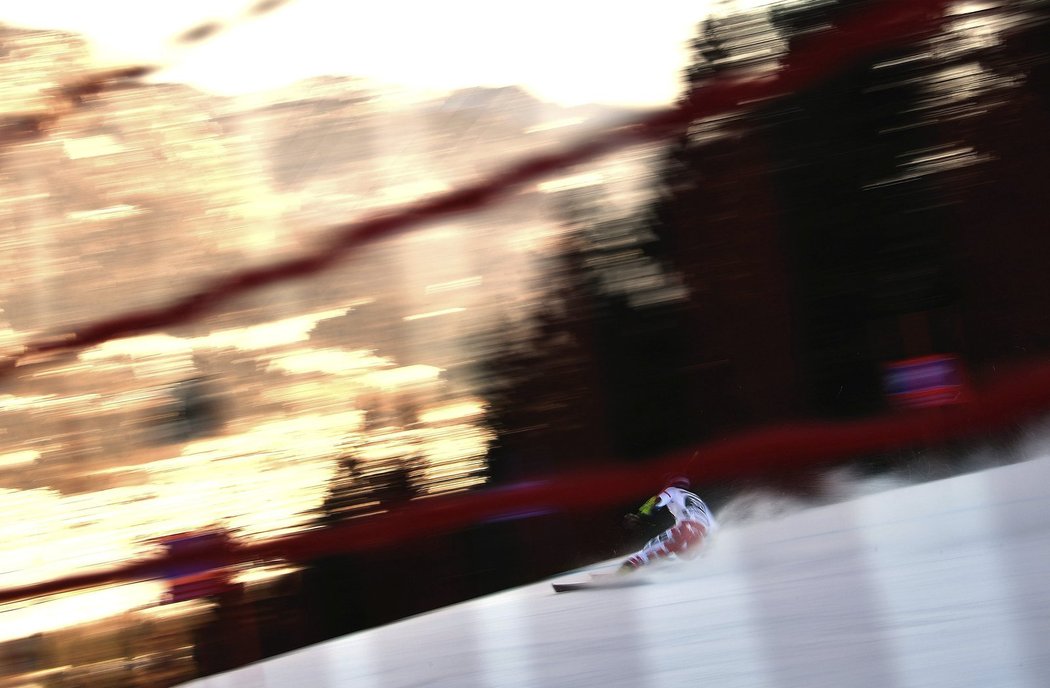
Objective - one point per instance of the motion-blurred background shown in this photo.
(872, 246)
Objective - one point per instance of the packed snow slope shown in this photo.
(943, 584)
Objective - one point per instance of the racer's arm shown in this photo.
(634, 519)
(647, 508)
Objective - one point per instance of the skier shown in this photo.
(693, 524)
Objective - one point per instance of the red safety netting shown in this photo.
(825, 54)
(1014, 397)
(756, 453)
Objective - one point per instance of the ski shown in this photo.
(568, 587)
(599, 582)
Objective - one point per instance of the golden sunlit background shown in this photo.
(653, 298)
(310, 402)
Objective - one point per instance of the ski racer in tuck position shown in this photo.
(684, 540)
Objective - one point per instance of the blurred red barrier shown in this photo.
(1012, 398)
(888, 23)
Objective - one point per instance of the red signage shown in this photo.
(198, 565)
(927, 381)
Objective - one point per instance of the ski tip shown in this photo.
(578, 585)
(599, 583)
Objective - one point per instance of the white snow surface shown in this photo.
(943, 584)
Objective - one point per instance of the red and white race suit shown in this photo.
(693, 523)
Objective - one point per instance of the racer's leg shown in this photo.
(686, 539)
(682, 540)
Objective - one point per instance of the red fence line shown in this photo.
(1012, 398)
(889, 23)
(749, 455)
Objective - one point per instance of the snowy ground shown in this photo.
(942, 584)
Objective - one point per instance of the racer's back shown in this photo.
(686, 506)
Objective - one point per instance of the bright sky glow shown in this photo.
(566, 52)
